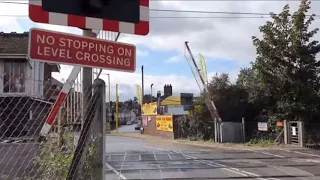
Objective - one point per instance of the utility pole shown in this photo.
(142, 84)
(142, 89)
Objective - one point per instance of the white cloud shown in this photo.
(7, 23)
(175, 59)
(127, 82)
(224, 38)
(142, 53)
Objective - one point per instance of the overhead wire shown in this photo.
(173, 17)
(253, 14)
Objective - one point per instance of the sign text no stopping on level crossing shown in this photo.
(63, 48)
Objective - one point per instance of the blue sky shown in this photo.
(172, 62)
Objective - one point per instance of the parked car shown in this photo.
(138, 126)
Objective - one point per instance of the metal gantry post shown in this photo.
(109, 98)
(117, 109)
(87, 80)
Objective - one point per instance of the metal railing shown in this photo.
(88, 160)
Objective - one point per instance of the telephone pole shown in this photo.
(142, 84)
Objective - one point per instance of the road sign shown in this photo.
(63, 48)
(38, 14)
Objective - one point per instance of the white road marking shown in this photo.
(288, 172)
(265, 153)
(155, 158)
(305, 160)
(115, 171)
(213, 164)
(308, 154)
(230, 169)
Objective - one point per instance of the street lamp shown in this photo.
(151, 91)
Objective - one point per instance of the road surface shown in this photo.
(126, 129)
(129, 158)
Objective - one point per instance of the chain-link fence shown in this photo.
(73, 146)
(88, 160)
(22, 113)
(25, 105)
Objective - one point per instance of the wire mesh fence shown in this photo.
(88, 159)
(23, 111)
(26, 98)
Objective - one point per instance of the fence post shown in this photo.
(95, 117)
(243, 130)
(301, 133)
(101, 117)
(215, 130)
(285, 132)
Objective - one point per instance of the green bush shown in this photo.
(194, 128)
(56, 158)
(260, 142)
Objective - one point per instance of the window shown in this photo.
(14, 76)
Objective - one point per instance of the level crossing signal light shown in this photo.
(118, 10)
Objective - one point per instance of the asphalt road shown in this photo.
(126, 129)
(129, 158)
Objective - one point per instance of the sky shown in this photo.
(224, 40)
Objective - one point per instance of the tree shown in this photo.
(286, 64)
(281, 84)
(135, 99)
(147, 98)
(230, 99)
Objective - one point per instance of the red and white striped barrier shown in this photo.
(60, 100)
(62, 96)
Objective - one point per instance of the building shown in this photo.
(159, 118)
(171, 104)
(26, 87)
